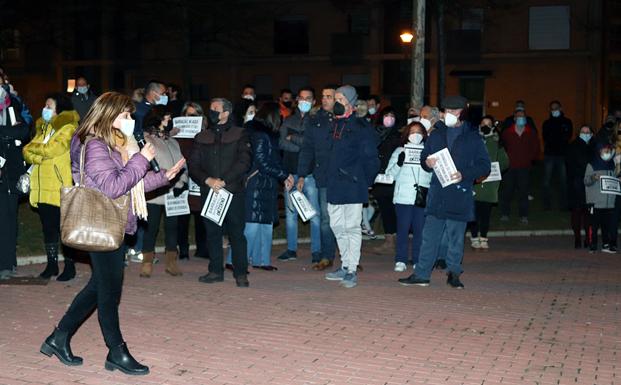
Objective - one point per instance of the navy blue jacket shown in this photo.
(353, 163)
(266, 173)
(456, 201)
(315, 149)
(142, 110)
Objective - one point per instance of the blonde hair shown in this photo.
(104, 111)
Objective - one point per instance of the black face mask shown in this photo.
(485, 130)
(339, 109)
(287, 104)
(214, 117)
(609, 125)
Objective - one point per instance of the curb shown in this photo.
(30, 260)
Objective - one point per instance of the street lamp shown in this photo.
(406, 37)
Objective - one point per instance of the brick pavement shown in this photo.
(534, 312)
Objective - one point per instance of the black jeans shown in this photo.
(599, 218)
(102, 292)
(233, 224)
(387, 211)
(483, 212)
(153, 227)
(50, 221)
(200, 234)
(515, 180)
(8, 230)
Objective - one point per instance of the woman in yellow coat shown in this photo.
(48, 152)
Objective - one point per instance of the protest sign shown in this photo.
(444, 167)
(609, 185)
(176, 206)
(494, 175)
(188, 126)
(217, 205)
(302, 205)
(412, 154)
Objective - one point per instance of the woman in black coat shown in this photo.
(579, 153)
(262, 184)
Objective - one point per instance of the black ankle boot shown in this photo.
(51, 269)
(58, 344)
(68, 271)
(120, 358)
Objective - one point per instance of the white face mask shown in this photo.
(163, 100)
(248, 97)
(248, 118)
(415, 138)
(450, 120)
(413, 119)
(127, 127)
(426, 123)
(372, 111)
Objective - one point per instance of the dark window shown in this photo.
(291, 36)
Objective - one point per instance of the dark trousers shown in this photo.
(579, 221)
(8, 230)
(102, 292)
(409, 218)
(200, 234)
(233, 225)
(50, 221)
(599, 219)
(554, 165)
(387, 211)
(614, 221)
(480, 225)
(516, 180)
(154, 218)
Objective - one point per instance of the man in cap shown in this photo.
(352, 167)
(449, 209)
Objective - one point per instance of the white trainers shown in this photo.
(483, 243)
(475, 243)
(400, 267)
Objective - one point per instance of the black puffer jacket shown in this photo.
(390, 140)
(266, 173)
(220, 152)
(12, 140)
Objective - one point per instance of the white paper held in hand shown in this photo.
(12, 116)
(494, 175)
(2, 162)
(444, 167)
(217, 205)
(302, 205)
(188, 126)
(412, 153)
(194, 188)
(176, 206)
(384, 179)
(609, 185)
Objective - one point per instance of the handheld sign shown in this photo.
(494, 175)
(176, 206)
(412, 153)
(384, 179)
(194, 188)
(302, 206)
(609, 185)
(216, 206)
(188, 126)
(444, 167)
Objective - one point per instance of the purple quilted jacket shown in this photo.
(105, 172)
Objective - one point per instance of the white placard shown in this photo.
(494, 175)
(302, 205)
(412, 153)
(384, 179)
(188, 126)
(2, 162)
(609, 185)
(12, 116)
(177, 206)
(444, 167)
(217, 205)
(194, 188)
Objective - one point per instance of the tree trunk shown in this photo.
(441, 50)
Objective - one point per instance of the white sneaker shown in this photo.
(134, 256)
(400, 267)
(475, 243)
(484, 244)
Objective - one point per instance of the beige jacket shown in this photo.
(167, 154)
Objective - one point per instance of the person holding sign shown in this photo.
(221, 158)
(262, 185)
(167, 155)
(449, 208)
(485, 191)
(410, 197)
(600, 200)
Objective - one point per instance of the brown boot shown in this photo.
(147, 264)
(171, 264)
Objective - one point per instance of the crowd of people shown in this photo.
(350, 157)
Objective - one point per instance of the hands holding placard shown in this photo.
(289, 183)
(215, 183)
(431, 162)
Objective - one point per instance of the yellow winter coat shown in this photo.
(51, 161)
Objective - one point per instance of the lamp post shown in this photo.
(417, 88)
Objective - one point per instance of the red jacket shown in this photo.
(522, 150)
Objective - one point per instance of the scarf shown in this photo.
(128, 147)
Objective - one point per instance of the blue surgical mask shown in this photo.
(83, 90)
(163, 100)
(47, 114)
(520, 121)
(304, 106)
(556, 113)
(586, 137)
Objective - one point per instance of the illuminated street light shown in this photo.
(406, 37)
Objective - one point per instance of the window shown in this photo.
(473, 89)
(9, 45)
(548, 27)
(291, 36)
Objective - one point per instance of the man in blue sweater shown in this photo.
(449, 209)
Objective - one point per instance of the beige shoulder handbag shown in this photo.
(89, 220)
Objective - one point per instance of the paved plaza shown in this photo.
(534, 311)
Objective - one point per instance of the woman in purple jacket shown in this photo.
(110, 169)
